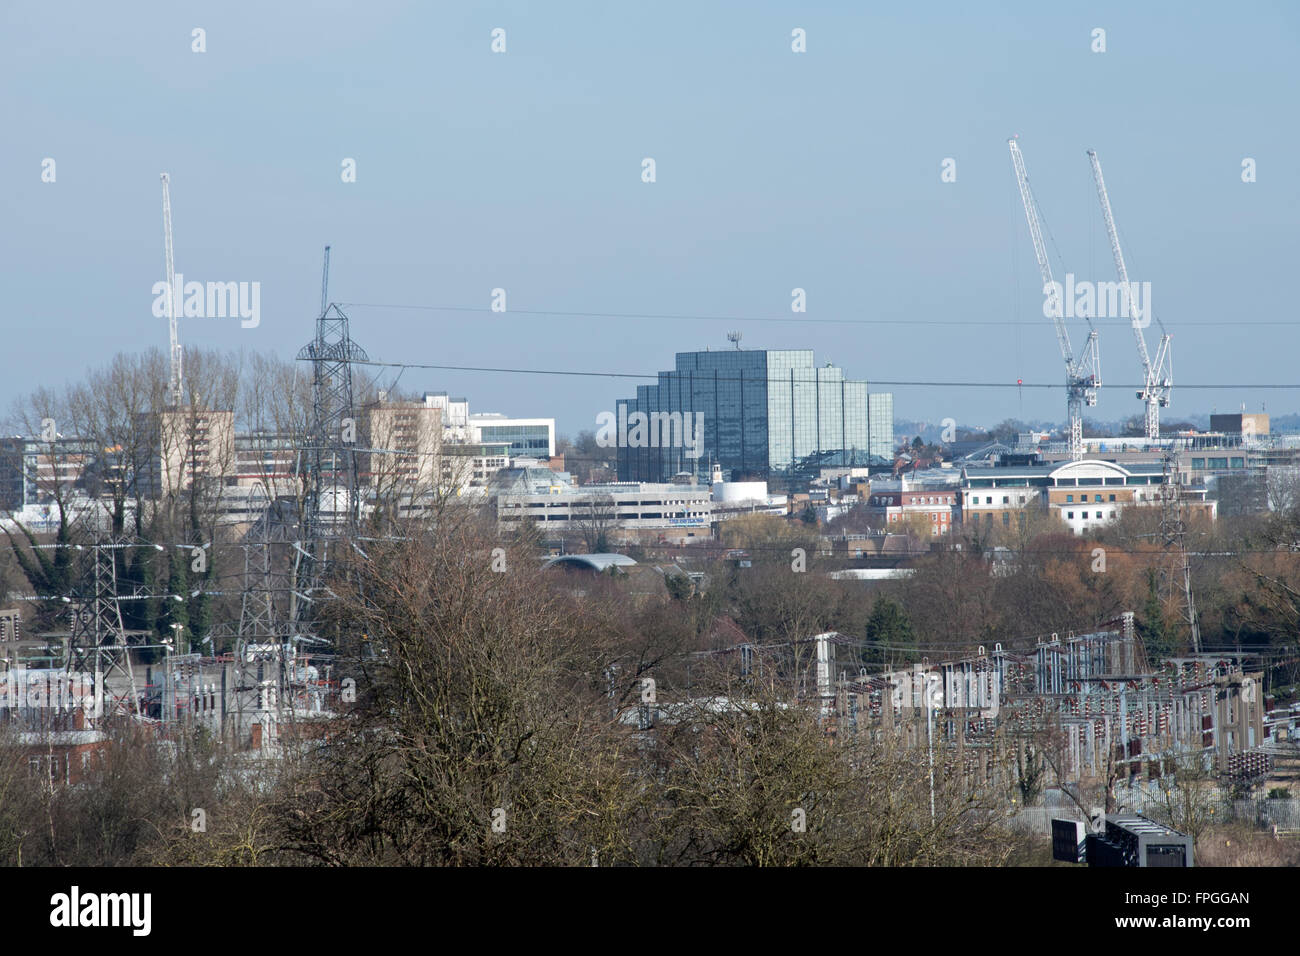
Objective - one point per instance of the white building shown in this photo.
(527, 437)
(632, 506)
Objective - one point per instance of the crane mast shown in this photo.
(174, 379)
(325, 283)
(1082, 377)
(1157, 376)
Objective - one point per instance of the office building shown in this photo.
(525, 437)
(760, 414)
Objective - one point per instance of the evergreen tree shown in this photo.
(1156, 635)
(177, 612)
(890, 638)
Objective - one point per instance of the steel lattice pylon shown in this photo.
(328, 456)
(97, 643)
(257, 610)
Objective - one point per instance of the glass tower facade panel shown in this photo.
(760, 414)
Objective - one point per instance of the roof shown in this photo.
(1063, 469)
(594, 562)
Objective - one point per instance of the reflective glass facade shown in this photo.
(761, 414)
(525, 441)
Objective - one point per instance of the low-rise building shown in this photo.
(1082, 494)
(924, 501)
(685, 510)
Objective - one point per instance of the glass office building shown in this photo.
(524, 440)
(759, 414)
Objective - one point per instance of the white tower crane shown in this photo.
(1082, 378)
(174, 381)
(1157, 376)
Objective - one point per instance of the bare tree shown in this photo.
(595, 518)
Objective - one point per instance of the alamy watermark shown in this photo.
(1100, 300)
(46, 690)
(960, 689)
(211, 300)
(684, 430)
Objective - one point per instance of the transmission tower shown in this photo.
(257, 610)
(97, 643)
(329, 454)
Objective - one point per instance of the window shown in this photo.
(1097, 498)
(989, 500)
(1085, 516)
(1070, 515)
(1069, 497)
(1112, 498)
(1006, 519)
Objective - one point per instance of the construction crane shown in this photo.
(174, 381)
(1157, 376)
(1082, 377)
(325, 283)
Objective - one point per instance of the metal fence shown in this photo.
(1261, 811)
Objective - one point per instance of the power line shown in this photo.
(893, 383)
(800, 319)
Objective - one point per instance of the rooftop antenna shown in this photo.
(734, 339)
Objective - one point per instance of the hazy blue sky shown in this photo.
(774, 170)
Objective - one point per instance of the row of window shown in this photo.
(1084, 498)
(915, 500)
(1100, 515)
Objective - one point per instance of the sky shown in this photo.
(774, 170)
